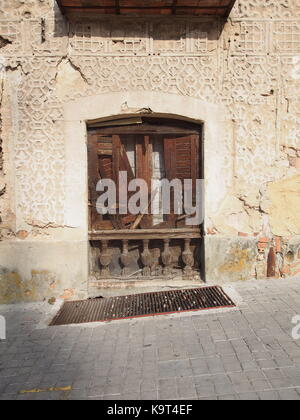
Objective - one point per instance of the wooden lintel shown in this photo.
(145, 234)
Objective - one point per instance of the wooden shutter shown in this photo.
(181, 155)
(107, 157)
(121, 163)
(100, 166)
(144, 171)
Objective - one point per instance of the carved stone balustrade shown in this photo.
(156, 256)
(187, 258)
(146, 258)
(125, 259)
(105, 259)
(167, 258)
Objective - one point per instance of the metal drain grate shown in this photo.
(145, 304)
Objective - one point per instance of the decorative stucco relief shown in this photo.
(269, 9)
(250, 65)
(144, 37)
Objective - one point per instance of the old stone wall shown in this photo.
(247, 68)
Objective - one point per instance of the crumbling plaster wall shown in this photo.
(249, 70)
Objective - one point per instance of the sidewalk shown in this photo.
(245, 353)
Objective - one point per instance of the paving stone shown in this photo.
(149, 395)
(215, 365)
(166, 394)
(221, 379)
(274, 373)
(243, 387)
(229, 397)
(238, 377)
(281, 383)
(268, 395)
(112, 389)
(288, 394)
(149, 385)
(246, 354)
(255, 375)
(199, 366)
(248, 396)
(222, 389)
(129, 397)
(186, 388)
(95, 391)
(81, 384)
(205, 390)
(77, 394)
(267, 364)
(261, 385)
(50, 396)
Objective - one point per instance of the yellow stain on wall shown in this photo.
(238, 262)
(284, 208)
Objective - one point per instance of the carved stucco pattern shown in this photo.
(249, 67)
(253, 9)
(39, 150)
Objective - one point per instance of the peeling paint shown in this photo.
(284, 208)
(68, 294)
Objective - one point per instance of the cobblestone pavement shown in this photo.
(247, 353)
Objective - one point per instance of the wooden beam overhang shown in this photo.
(220, 8)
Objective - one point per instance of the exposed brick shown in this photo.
(263, 244)
(22, 234)
(211, 231)
(278, 244)
(286, 270)
(68, 294)
(271, 270)
(295, 162)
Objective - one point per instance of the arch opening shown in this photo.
(159, 155)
